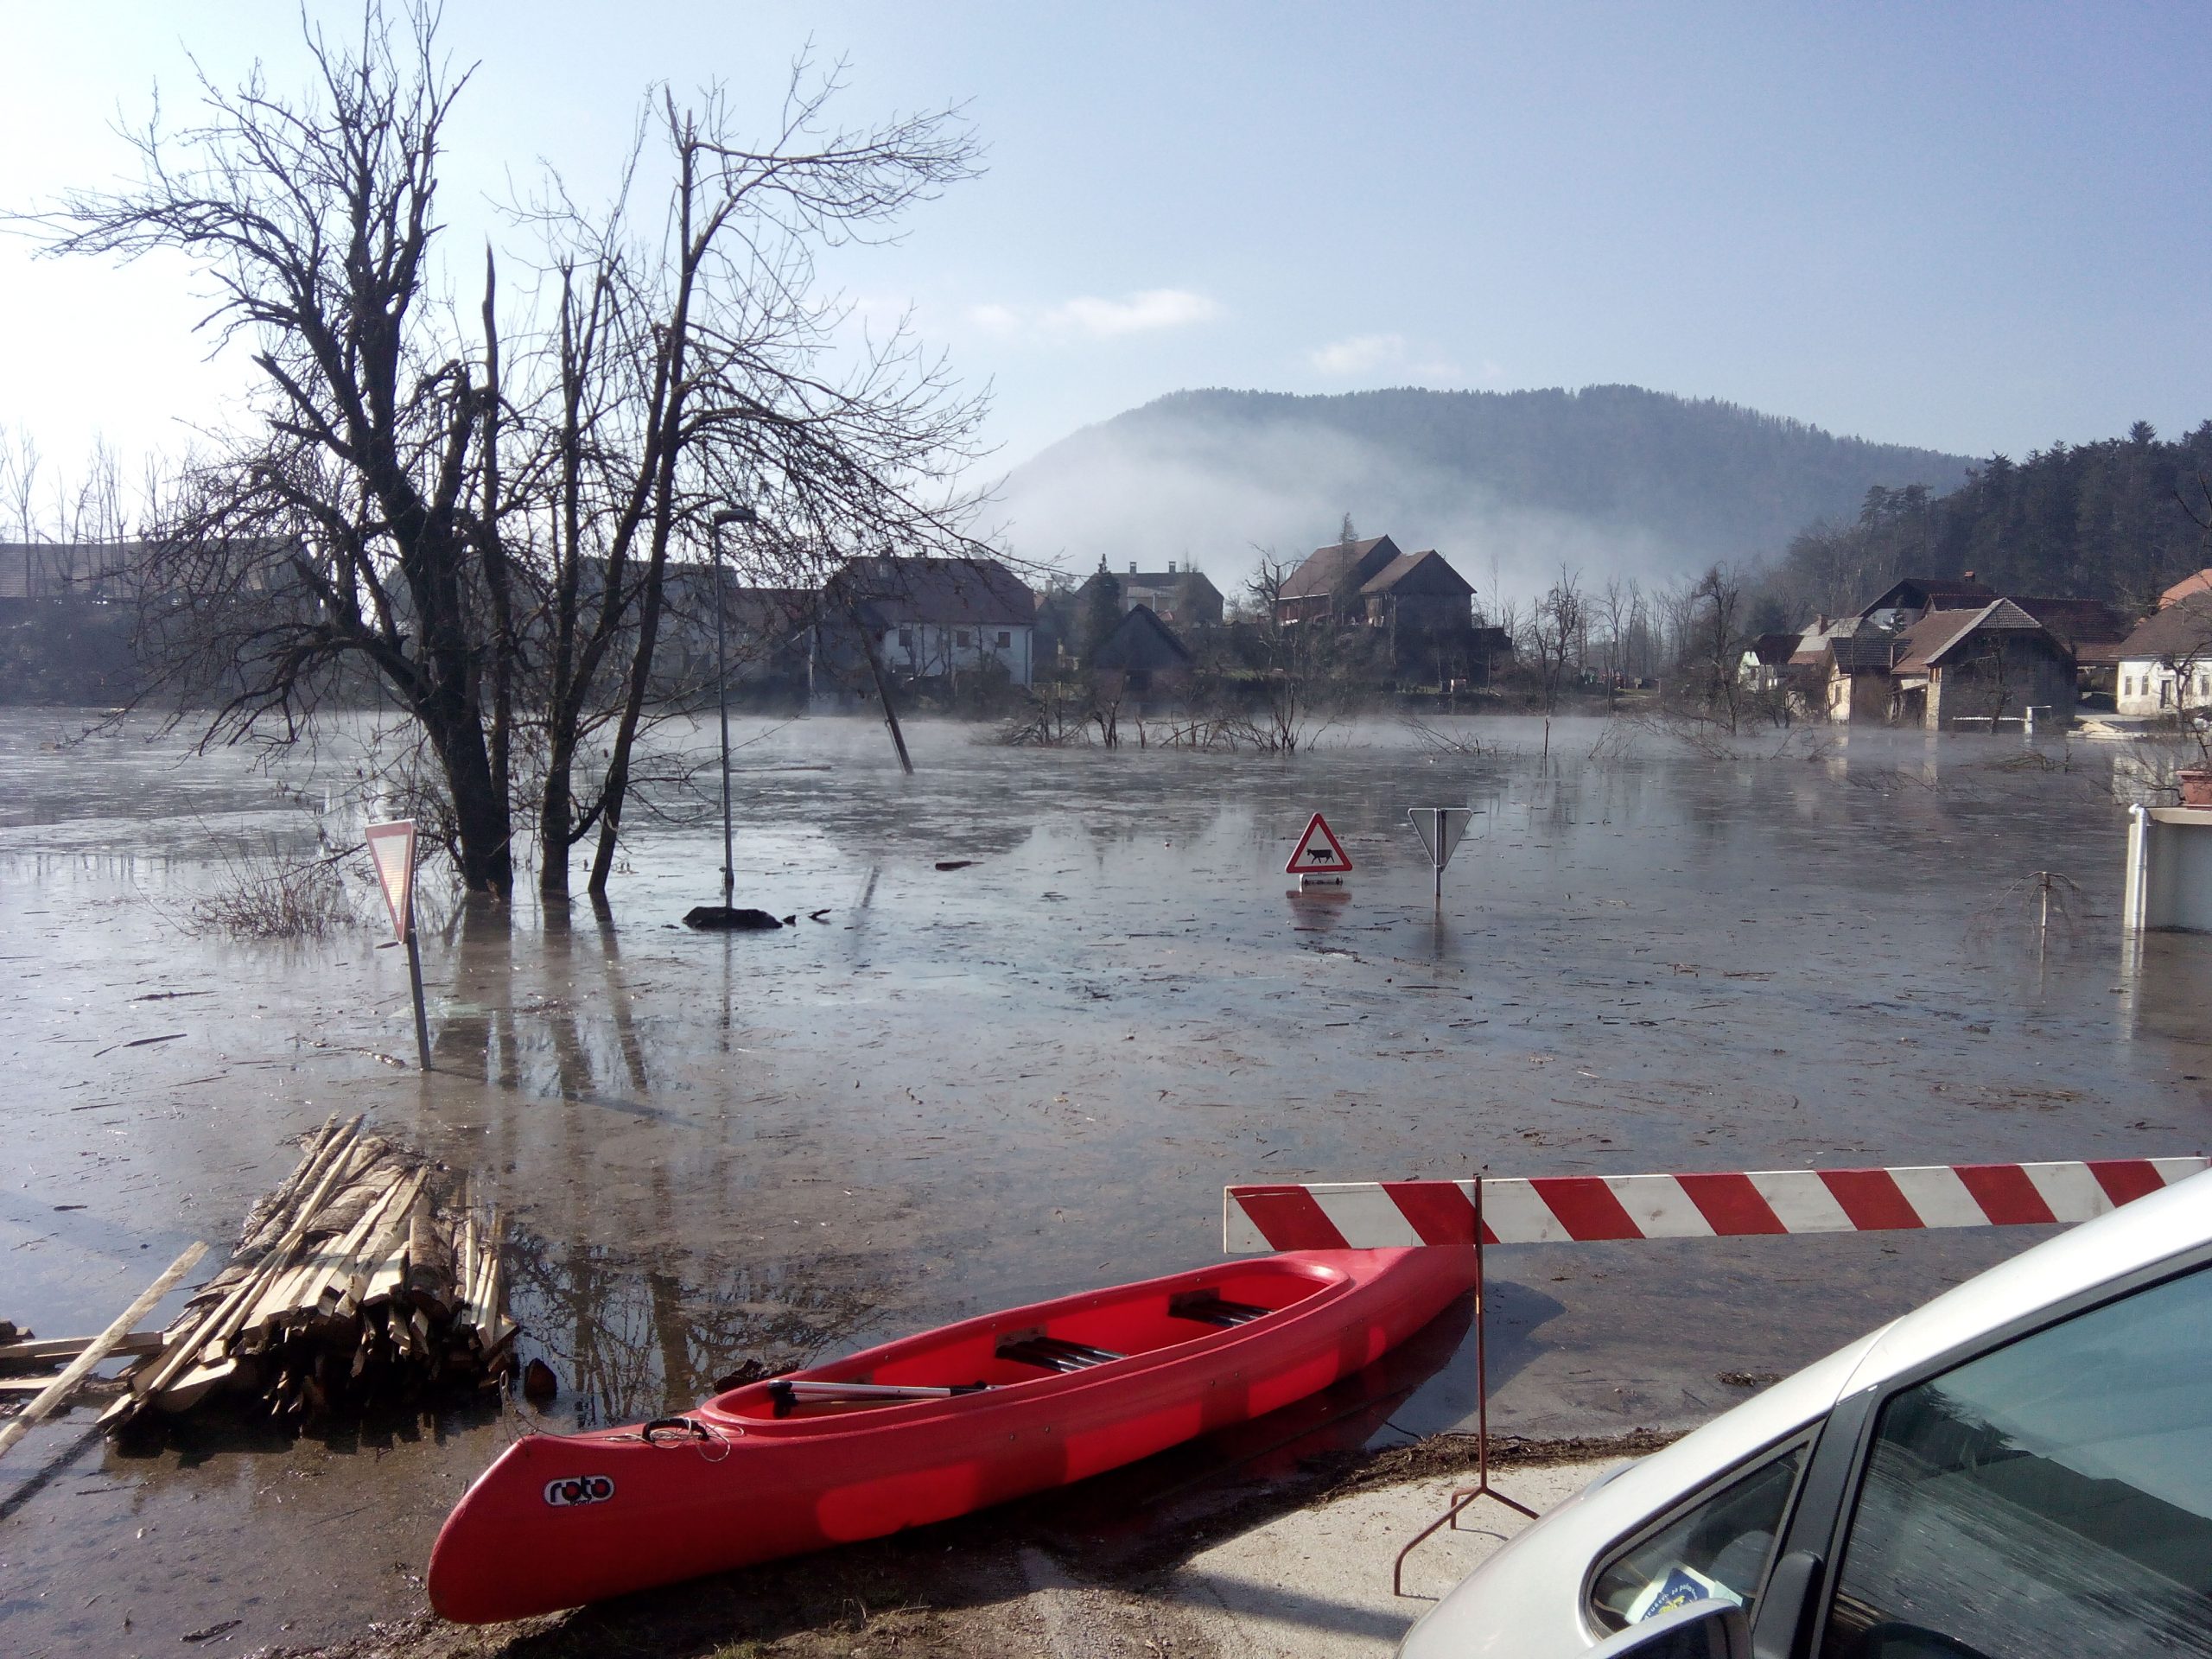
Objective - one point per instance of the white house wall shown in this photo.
(2151, 688)
(926, 651)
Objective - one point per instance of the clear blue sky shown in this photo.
(1974, 227)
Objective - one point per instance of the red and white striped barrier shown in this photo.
(1369, 1215)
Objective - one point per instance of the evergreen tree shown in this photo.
(1101, 614)
(2106, 521)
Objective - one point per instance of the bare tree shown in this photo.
(339, 531)
(695, 376)
(1616, 607)
(1673, 612)
(1300, 689)
(19, 471)
(1555, 628)
(480, 521)
(1708, 642)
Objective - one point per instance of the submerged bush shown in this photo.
(264, 896)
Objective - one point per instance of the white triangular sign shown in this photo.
(1440, 828)
(392, 849)
(1320, 852)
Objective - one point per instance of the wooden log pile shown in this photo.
(364, 1281)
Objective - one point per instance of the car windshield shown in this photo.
(2051, 1498)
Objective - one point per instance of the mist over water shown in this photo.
(1154, 495)
(1613, 481)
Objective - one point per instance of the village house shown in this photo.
(1765, 664)
(768, 638)
(1141, 658)
(1841, 669)
(1934, 652)
(2199, 583)
(2166, 665)
(2090, 629)
(935, 619)
(1906, 600)
(1418, 593)
(1993, 663)
(1376, 583)
(1185, 598)
(68, 570)
(1855, 679)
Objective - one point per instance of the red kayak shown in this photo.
(927, 1427)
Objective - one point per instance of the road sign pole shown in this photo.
(1439, 829)
(415, 981)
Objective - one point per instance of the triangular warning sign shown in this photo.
(392, 849)
(1319, 852)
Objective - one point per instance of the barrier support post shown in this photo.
(1463, 1497)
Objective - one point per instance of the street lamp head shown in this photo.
(732, 516)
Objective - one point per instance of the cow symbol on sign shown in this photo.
(1319, 852)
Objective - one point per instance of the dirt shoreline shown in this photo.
(963, 1590)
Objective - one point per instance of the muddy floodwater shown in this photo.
(944, 1091)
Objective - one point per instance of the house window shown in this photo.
(906, 641)
(960, 638)
(1005, 639)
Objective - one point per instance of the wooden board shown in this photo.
(48, 1350)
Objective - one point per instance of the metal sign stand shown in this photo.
(415, 980)
(1440, 829)
(1464, 1495)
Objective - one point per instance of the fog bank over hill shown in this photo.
(1612, 480)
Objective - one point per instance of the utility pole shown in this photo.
(726, 516)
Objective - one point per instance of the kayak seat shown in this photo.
(1209, 1308)
(1050, 1353)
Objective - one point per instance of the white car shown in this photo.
(2022, 1469)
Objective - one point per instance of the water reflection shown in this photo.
(2164, 991)
(634, 1337)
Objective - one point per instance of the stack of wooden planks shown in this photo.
(364, 1280)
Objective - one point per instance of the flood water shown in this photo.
(961, 1089)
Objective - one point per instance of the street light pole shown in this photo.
(726, 516)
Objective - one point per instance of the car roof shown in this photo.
(2151, 1229)
(2136, 1235)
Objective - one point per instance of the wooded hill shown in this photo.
(2111, 520)
(1645, 481)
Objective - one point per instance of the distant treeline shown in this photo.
(2116, 520)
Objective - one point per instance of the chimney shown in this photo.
(1171, 566)
(1133, 567)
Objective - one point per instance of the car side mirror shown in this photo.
(1698, 1629)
